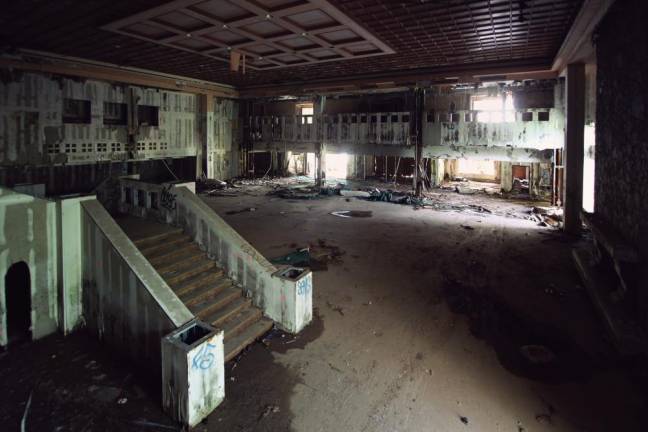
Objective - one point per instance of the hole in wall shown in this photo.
(18, 303)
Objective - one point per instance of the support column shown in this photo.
(417, 137)
(204, 154)
(574, 147)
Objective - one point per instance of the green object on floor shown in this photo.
(297, 258)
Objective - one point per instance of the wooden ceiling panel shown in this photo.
(421, 35)
(277, 30)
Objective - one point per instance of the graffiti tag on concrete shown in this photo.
(303, 286)
(167, 199)
(204, 359)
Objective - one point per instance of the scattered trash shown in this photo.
(245, 210)
(337, 309)
(354, 193)
(269, 409)
(537, 354)
(467, 227)
(352, 213)
(547, 216)
(316, 256)
(299, 258)
(463, 419)
(122, 401)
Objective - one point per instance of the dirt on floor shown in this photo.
(426, 319)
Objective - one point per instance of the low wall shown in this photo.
(125, 301)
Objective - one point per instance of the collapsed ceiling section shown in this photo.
(295, 41)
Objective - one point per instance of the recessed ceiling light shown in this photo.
(268, 16)
(188, 34)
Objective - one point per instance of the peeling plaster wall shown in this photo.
(367, 124)
(29, 234)
(450, 120)
(621, 175)
(222, 145)
(32, 129)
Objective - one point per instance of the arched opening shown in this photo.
(18, 303)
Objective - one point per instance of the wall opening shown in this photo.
(478, 170)
(336, 165)
(496, 109)
(18, 303)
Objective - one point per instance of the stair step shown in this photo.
(246, 337)
(187, 285)
(164, 246)
(180, 261)
(218, 318)
(191, 268)
(156, 237)
(210, 305)
(241, 321)
(175, 253)
(205, 292)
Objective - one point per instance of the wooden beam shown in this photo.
(577, 46)
(449, 75)
(47, 63)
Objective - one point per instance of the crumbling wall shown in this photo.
(33, 131)
(621, 175)
(29, 235)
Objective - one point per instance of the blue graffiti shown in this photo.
(303, 286)
(204, 359)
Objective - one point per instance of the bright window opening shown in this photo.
(494, 109)
(336, 165)
(307, 114)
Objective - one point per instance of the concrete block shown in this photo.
(296, 298)
(193, 372)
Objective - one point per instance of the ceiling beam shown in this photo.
(577, 46)
(499, 71)
(37, 61)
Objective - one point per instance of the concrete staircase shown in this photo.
(204, 288)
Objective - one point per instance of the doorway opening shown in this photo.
(336, 165)
(18, 303)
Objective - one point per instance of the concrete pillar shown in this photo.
(274, 162)
(205, 153)
(574, 147)
(506, 176)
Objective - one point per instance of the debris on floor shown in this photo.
(547, 216)
(316, 256)
(245, 210)
(352, 213)
(354, 193)
(299, 258)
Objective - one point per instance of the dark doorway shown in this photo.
(18, 303)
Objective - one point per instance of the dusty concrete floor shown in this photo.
(418, 327)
